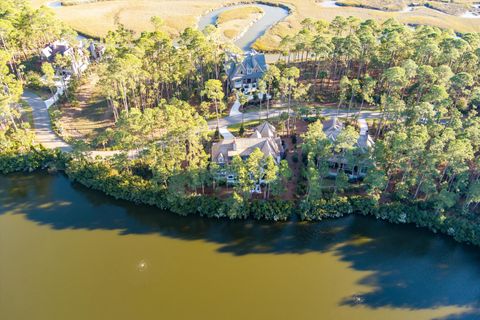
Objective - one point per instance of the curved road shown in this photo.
(230, 120)
(50, 140)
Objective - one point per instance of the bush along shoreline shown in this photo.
(125, 186)
(32, 159)
(122, 185)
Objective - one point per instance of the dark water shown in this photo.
(67, 252)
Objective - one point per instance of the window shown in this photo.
(249, 70)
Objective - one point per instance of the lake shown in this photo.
(67, 252)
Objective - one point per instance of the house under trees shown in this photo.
(76, 59)
(354, 163)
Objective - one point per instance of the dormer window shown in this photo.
(249, 70)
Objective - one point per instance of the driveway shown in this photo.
(42, 124)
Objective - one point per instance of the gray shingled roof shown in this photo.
(265, 130)
(333, 127)
(243, 147)
(251, 60)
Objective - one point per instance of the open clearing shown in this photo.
(89, 115)
(97, 18)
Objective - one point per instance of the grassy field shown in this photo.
(99, 17)
(96, 18)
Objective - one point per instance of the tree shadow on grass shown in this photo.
(409, 267)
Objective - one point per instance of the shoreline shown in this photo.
(138, 191)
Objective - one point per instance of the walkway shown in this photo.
(225, 133)
(235, 111)
(42, 124)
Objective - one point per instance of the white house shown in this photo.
(78, 59)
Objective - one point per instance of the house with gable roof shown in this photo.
(78, 60)
(264, 138)
(357, 166)
(244, 71)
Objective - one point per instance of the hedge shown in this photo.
(126, 186)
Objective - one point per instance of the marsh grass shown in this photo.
(95, 19)
(238, 14)
(384, 5)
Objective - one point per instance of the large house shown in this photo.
(244, 71)
(264, 138)
(78, 60)
(355, 167)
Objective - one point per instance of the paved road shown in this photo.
(42, 124)
(230, 120)
(50, 140)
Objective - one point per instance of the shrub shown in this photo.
(316, 210)
(34, 80)
(295, 157)
(276, 210)
(32, 160)
(241, 131)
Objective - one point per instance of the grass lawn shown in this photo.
(256, 107)
(248, 125)
(251, 124)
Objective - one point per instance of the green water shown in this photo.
(71, 253)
